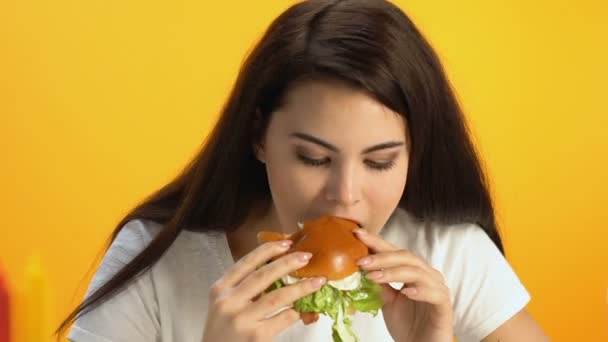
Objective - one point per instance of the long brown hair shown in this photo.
(370, 44)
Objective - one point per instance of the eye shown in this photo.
(312, 161)
(380, 166)
(373, 165)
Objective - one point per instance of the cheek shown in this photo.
(294, 187)
(383, 196)
(385, 193)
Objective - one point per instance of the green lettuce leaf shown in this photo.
(367, 298)
(338, 304)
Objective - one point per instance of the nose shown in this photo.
(343, 187)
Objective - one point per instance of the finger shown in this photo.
(395, 259)
(275, 325)
(274, 301)
(259, 280)
(374, 242)
(436, 294)
(402, 274)
(390, 259)
(417, 285)
(251, 261)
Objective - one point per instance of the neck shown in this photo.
(244, 239)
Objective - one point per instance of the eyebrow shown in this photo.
(333, 148)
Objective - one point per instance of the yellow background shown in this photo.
(102, 102)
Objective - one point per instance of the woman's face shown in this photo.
(334, 150)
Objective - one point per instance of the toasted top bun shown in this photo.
(335, 250)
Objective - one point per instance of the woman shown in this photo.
(342, 109)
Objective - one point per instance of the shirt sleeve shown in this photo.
(485, 290)
(132, 313)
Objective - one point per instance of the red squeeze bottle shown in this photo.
(4, 309)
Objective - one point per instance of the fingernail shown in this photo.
(364, 261)
(285, 243)
(318, 282)
(303, 257)
(361, 231)
(375, 275)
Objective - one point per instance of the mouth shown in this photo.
(353, 220)
(301, 223)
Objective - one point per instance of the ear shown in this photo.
(258, 150)
(258, 146)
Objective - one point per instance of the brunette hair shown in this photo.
(370, 44)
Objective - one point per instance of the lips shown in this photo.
(358, 222)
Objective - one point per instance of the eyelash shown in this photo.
(321, 162)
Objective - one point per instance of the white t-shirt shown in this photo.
(169, 302)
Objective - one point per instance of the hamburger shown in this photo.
(335, 251)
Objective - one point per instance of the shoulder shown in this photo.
(461, 252)
(172, 292)
(485, 290)
(137, 234)
(432, 241)
(190, 250)
(192, 258)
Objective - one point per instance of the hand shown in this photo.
(421, 310)
(237, 312)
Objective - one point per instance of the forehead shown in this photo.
(334, 109)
